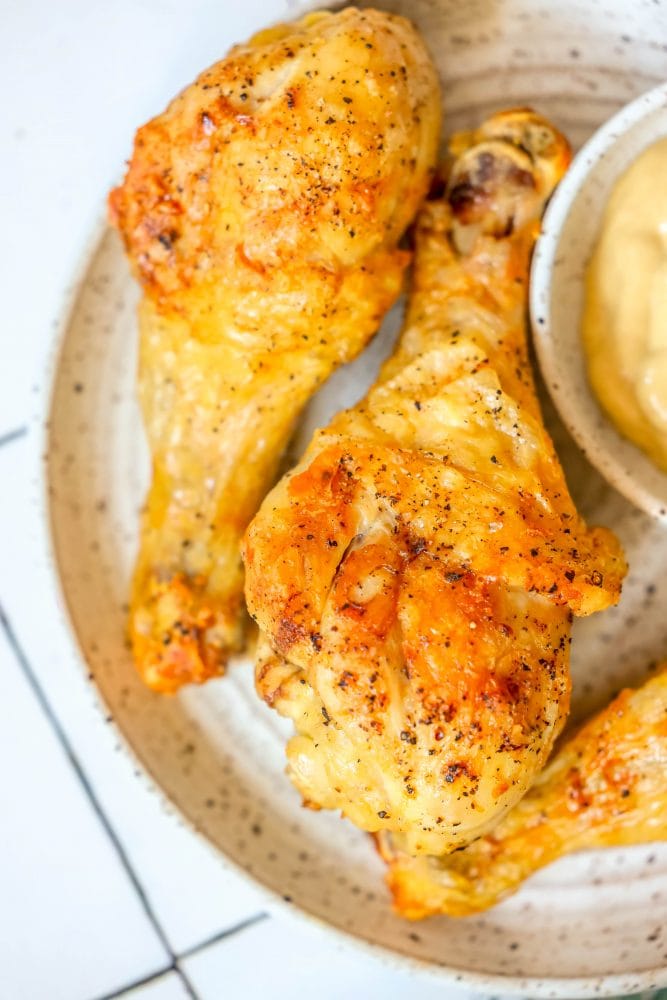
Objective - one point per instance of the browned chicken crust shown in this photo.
(606, 787)
(415, 576)
(261, 213)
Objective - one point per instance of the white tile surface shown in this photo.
(284, 959)
(71, 924)
(193, 894)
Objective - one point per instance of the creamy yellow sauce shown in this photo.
(625, 313)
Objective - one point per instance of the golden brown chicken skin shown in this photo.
(261, 213)
(606, 787)
(415, 576)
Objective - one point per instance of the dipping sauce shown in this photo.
(625, 313)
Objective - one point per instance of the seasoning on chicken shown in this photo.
(606, 787)
(261, 213)
(416, 575)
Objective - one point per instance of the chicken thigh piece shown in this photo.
(606, 787)
(261, 214)
(415, 576)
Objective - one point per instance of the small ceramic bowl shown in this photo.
(569, 233)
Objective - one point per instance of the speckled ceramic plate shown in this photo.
(591, 925)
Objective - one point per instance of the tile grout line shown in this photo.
(68, 749)
(147, 980)
(221, 935)
(14, 435)
(187, 985)
(136, 983)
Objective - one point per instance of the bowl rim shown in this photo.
(598, 450)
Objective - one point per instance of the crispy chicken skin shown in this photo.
(261, 214)
(415, 576)
(606, 787)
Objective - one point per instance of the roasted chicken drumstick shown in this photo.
(261, 213)
(415, 576)
(606, 787)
